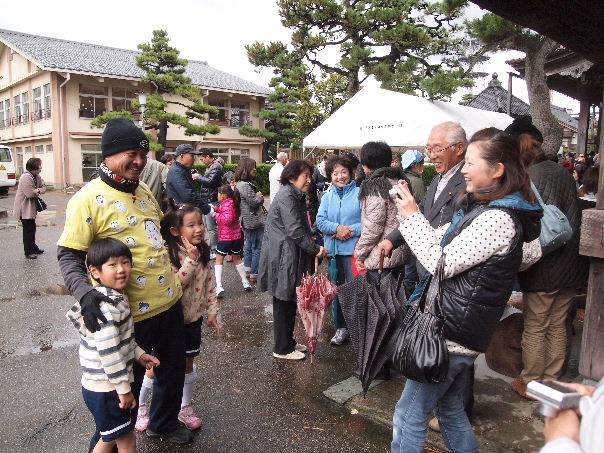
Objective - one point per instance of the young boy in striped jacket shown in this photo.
(106, 356)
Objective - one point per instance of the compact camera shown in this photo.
(553, 396)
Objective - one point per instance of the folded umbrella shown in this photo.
(370, 307)
(314, 295)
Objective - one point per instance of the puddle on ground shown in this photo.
(43, 346)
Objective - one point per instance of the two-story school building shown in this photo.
(50, 90)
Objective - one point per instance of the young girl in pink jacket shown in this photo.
(230, 236)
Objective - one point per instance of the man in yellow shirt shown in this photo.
(116, 205)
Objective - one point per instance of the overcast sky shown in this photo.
(210, 30)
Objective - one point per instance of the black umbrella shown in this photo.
(370, 307)
(352, 297)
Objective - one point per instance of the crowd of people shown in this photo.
(138, 259)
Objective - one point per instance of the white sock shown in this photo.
(241, 271)
(145, 390)
(218, 274)
(187, 389)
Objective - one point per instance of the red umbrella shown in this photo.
(314, 294)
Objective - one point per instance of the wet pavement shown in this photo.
(248, 401)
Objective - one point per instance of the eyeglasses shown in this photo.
(430, 149)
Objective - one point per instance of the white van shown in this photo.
(8, 178)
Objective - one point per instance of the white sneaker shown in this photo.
(247, 286)
(219, 292)
(301, 347)
(340, 337)
(294, 355)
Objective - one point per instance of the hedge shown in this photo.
(263, 169)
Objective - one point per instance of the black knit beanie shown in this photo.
(121, 134)
(524, 125)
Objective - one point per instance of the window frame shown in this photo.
(91, 149)
(37, 113)
(226, 108)
(17, 109)
(47, 100)
(127, 99)
(94, 98)
(245, 111)
(25, 107)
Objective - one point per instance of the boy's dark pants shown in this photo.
(163, 336)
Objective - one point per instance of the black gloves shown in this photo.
(91, 312)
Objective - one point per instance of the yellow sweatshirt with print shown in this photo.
(99, 211)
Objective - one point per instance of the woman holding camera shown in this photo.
(482, 251)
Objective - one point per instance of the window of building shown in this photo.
(121, 99)
(93, 100)
(39, 149)
(49, 148)
(7, 112)
(230, 156)
(19, 154)
(2, 124)
(47, 101)
(25, 107)
(236, 154)
(17, 108)
(240, 114)
(37, 98)
(222, 117)
(91, 159)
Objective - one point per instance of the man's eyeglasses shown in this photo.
(432, 150)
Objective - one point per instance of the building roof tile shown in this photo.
(62, 55)
(494, 98)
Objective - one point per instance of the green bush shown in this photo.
(261, 176)
(429, 174)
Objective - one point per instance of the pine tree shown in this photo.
(497, 33)
(165, 73)
(413, 46)
(289, 113)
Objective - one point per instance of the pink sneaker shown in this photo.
(189, 418)
(142, 418)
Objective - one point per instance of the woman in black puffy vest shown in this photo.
(483, 252)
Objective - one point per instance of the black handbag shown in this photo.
(40, 204)
(419, 349)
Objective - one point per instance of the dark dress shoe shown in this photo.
(39, 251)
(31, 256)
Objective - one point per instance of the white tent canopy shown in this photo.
(399, 119)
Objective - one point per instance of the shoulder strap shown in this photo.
(537, 194)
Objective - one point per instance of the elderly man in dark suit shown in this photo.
(446, 148)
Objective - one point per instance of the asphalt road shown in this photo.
(248, 401)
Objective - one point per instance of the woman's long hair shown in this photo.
(244, 170)
(502, 148)
(233, 195)
(174, 217)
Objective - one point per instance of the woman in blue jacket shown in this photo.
(339, 219)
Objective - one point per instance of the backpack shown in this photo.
(555, 227)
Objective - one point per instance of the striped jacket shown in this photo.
(106, 355)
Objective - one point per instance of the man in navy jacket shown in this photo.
(180, 181)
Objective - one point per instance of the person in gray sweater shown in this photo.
(252, 215)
